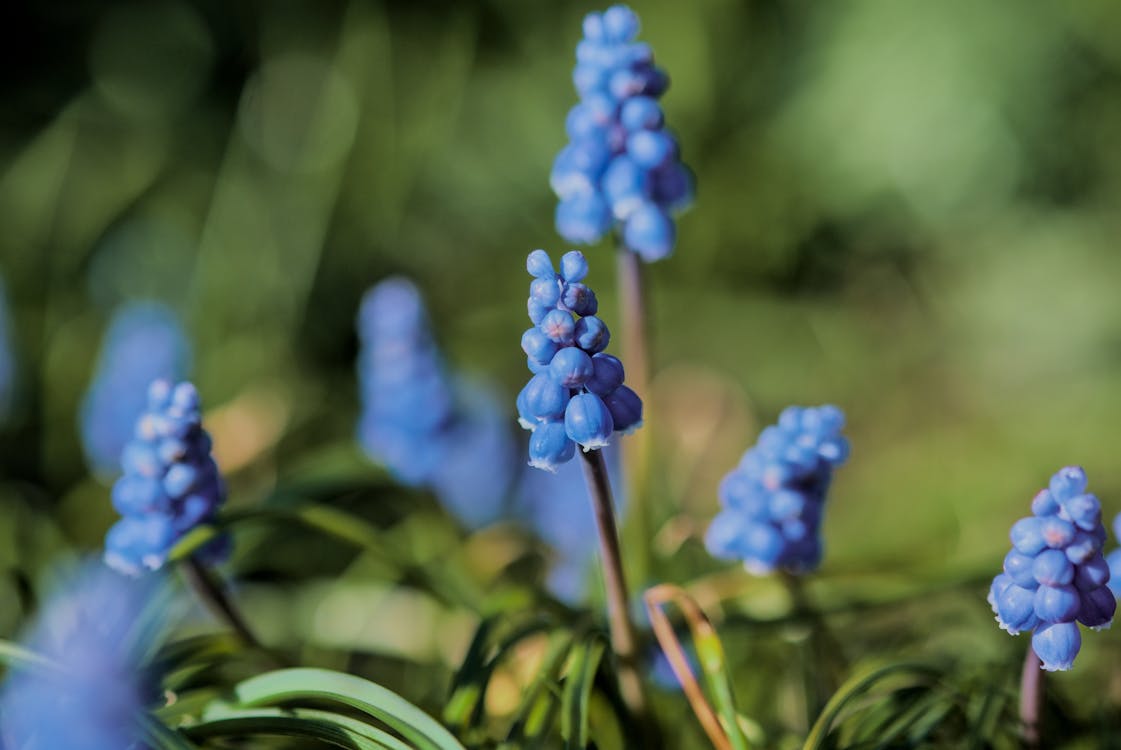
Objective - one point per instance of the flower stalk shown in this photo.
(1031, 698)
(214, 597)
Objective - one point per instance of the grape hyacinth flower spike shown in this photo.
(426, 427)
(170, 486)
(1113, 559)
(621, 167)
(774, 499)
(94, 692)
(1054, 578)
(576, 397)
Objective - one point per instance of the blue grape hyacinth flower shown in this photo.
(772, 502)
(144, 342)
(621, 168)
(94, 691)
(1055, 575)
(170, 483)
(427, 428)
(576, 395)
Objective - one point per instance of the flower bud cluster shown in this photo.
(773, 501)
(1055, 576)
(170, 483)
(428, 429)
(576, 395)
(621, 166)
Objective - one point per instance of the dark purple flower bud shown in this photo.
(625, 407)
(579, 299)
(607, 374)
(1098, 607)
(592, 335)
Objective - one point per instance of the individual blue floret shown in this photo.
(1055, 576)
(145, 341)
(429, 429)
(93, 694)
(621, 168)
(772, 502)
(576, 395)
(170, 483)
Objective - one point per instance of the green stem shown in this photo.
(213, 595)
(623, 639)
(1031, 698)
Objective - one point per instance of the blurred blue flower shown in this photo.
(556, 507)
(170, 483)
(428, 429)
(773, 501)
(1055, 576)
(1113, 560)
(92, 695)
(576, 396)
(621, 167)
(145, 341)
(7, 358)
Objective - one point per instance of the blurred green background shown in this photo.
(908, 209)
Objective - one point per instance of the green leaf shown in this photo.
(18, 657)
(222, 719)
(538, 708)
(161, 737)
(854, 688)
(306, 684)
(583, 664)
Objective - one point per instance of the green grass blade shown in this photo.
(294, 685)
(584, 663)
(854, 688)
(221, 718)
(18, 657)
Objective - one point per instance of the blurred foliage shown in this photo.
(907, 209)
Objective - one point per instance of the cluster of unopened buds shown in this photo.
(576, 395)
(170, 483)
(773, 501)
(621, 166)
(1055, 575)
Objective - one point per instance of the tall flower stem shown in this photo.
(636, 353)
(213, 595)
(1031, 698)
(825, 663)
(623, 638)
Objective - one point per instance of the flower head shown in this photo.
(93, 691)
(145, 341)
(621, 167)
(170, 483)
(1055, 576)
(773, 501)
(427, 428)
(576, 395)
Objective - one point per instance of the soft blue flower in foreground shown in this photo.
(576, 395)
(145, 341)
(94, 695)
(428, 429)
(621, 168)
(1055, 576)
(773, 501)
(170, 483)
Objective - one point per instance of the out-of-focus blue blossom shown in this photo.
(621, 167)
(94, 694)
(1055, 576)
(1113, 560)
(773, 501)
(170, 483)
(556, 507)
(7, 358)
(428, 429)
(576, 396)
(145, 341)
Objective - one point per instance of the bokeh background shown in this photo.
(907, 209)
